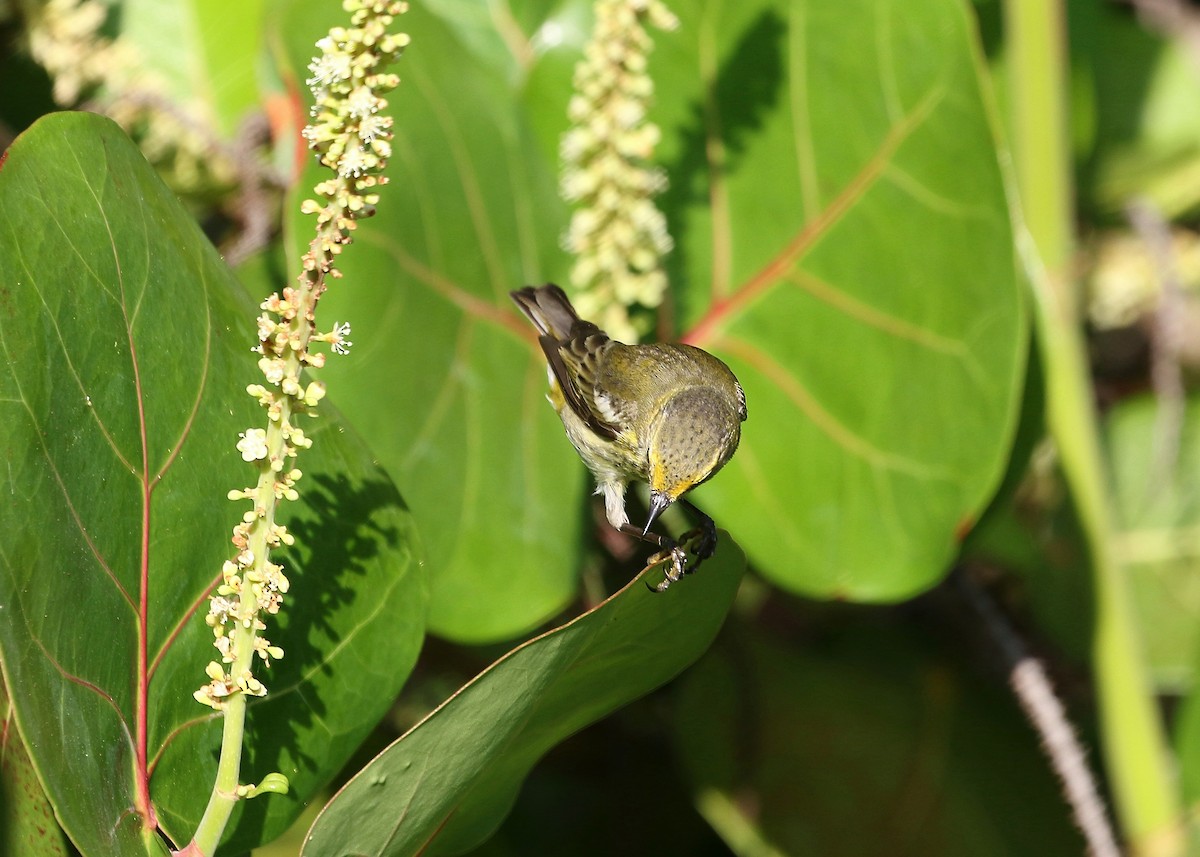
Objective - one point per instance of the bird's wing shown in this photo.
(575, 363)
(548, 308)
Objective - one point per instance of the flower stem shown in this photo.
(224, 794)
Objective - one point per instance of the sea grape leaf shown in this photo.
(202, 54)
(873, 742)
(843, 241)
(446, 785)
(126, 353)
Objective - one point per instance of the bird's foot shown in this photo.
(675, 558)
(682, 557)
(702, 541)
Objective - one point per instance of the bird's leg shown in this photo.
(675, 570)
(669, 551)
(702, 539)
(704, 536)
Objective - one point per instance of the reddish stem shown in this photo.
(142, 702)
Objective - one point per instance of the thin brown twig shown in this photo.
(1172, 19)
(254, 209)
(1035, 693)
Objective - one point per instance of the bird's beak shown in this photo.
(658, 503)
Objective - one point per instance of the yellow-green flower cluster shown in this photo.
(618, 234)
(348, 132)
(352, 138)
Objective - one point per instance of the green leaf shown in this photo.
(1158, 509)
(446, 785)
(873, 742)
(1137, 113)
(843, 243)
(1187, 748)
(126, 355)
(27, 823)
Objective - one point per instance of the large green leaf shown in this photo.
(447, 784)
(842, 240)
(844, 243)
(125, 351)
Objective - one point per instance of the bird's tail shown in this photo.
(548, 308)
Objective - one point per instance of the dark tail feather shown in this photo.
(548, 308)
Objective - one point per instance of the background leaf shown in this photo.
(203, 53)
(868, 742)
(126, 357)
(446, 785)
(1158, 508)
(1136, 113)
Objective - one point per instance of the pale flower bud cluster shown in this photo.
(66, 37)
(348, 131)
(617, 234)
(1123, 283)
(352, 138)
(251, 585)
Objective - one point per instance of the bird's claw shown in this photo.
(676, 559)
(701, 542)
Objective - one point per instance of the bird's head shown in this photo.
(694, 434)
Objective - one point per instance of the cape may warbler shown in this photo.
(667, 415)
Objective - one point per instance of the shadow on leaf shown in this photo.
(746, 90)
(346, 526)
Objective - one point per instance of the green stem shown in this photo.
(1135, 747)
(224, 794)
(1035, 42)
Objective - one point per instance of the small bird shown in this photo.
(667, 415)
